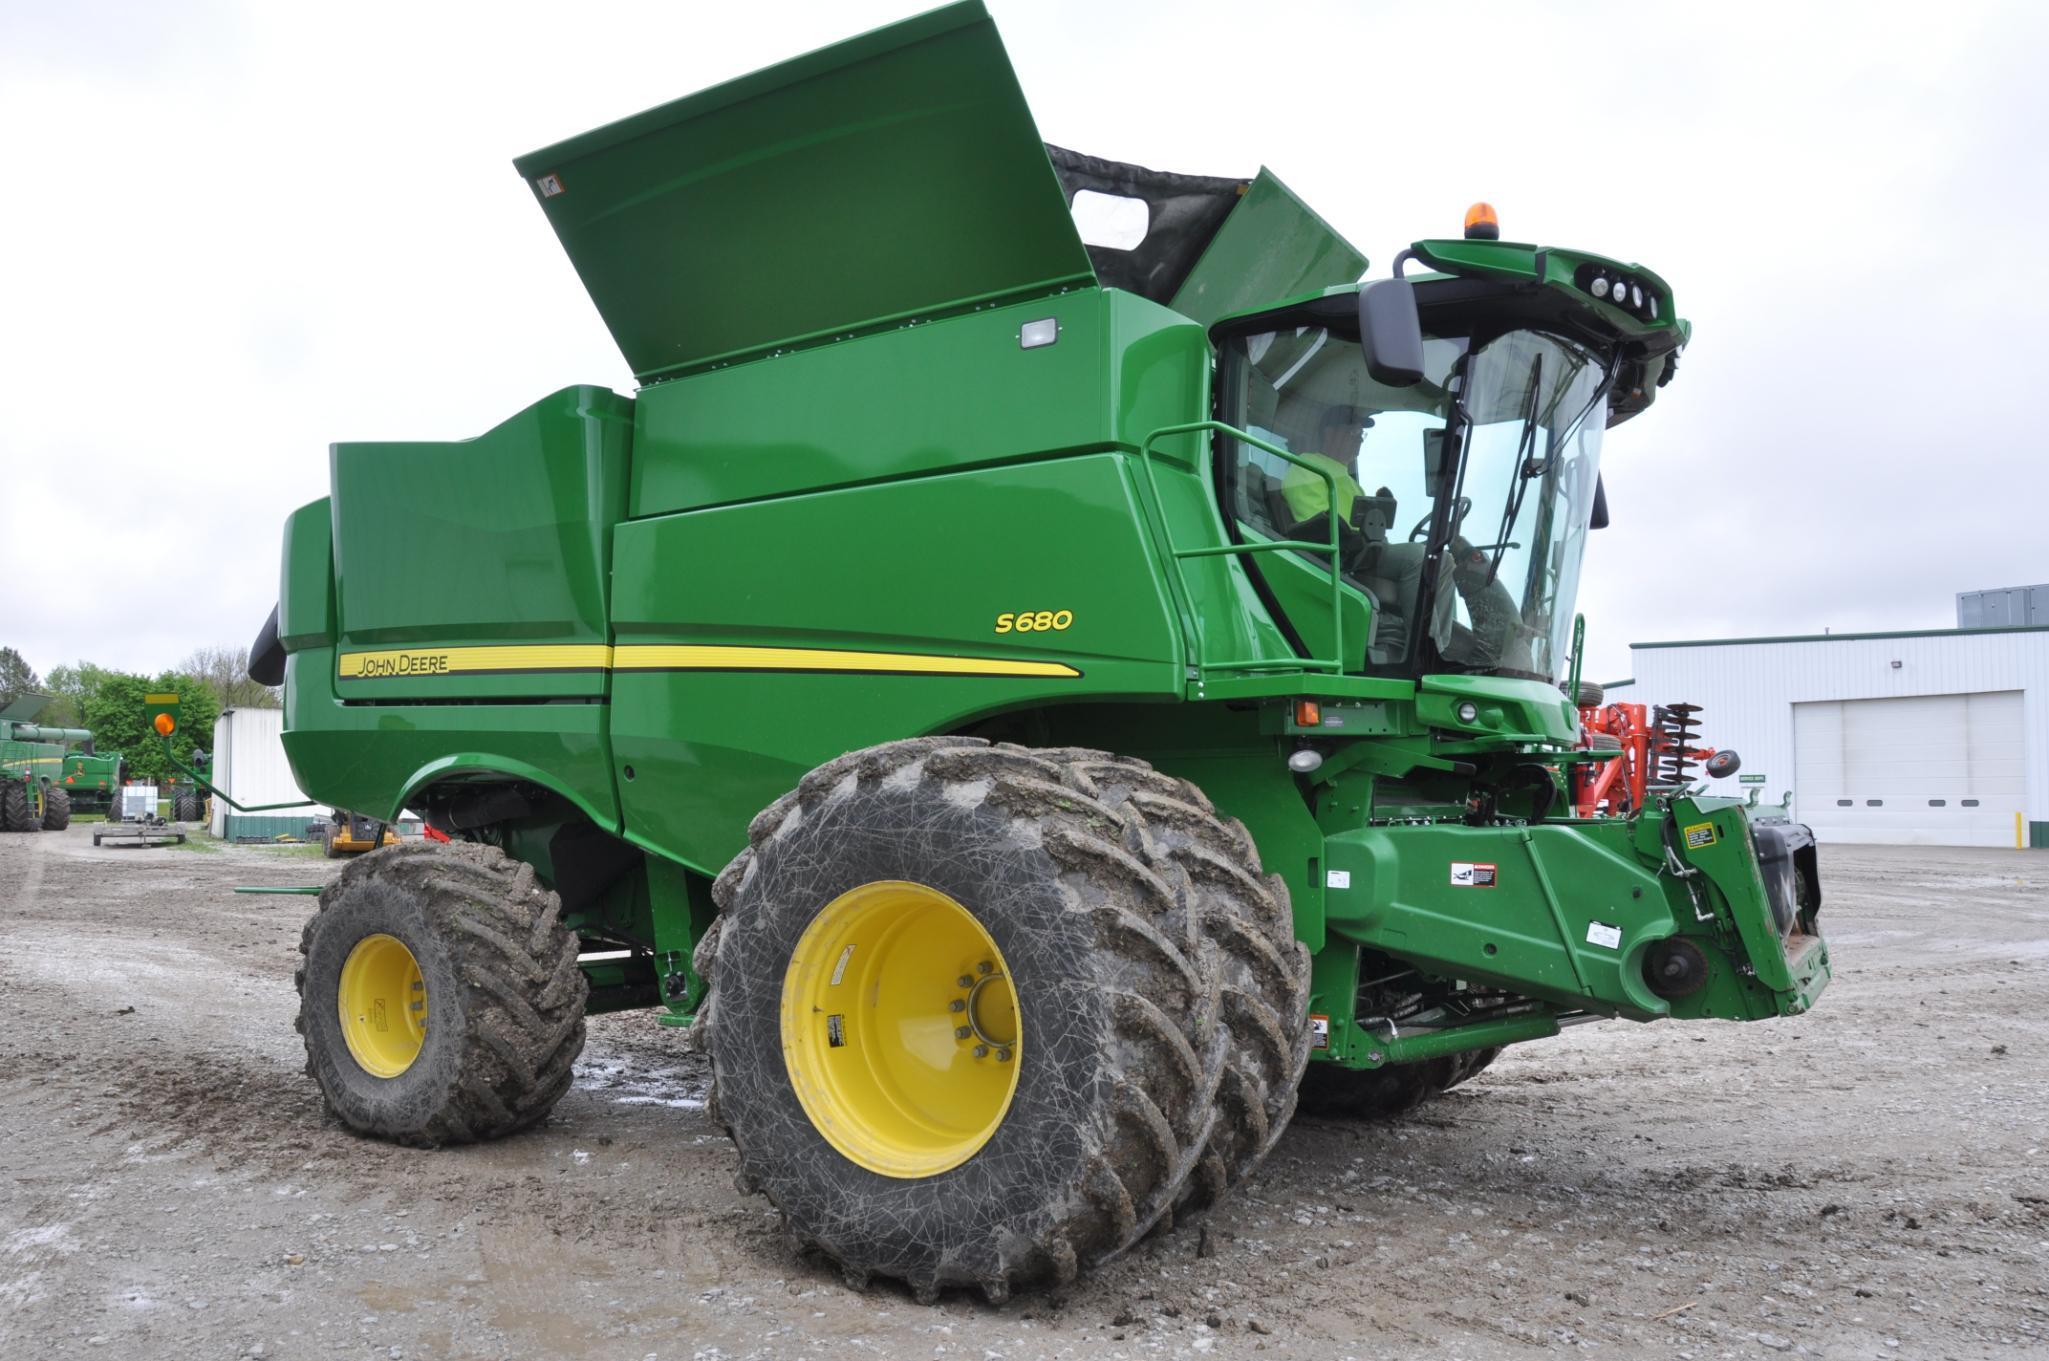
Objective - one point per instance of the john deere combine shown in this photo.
(1023, 700)
(45, 771)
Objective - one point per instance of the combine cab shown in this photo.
(1023, 699)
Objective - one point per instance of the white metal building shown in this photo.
(249, 764)
(1937, 737)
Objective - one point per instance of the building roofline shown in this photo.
(1846, 637)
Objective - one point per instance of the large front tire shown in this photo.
(1244, 914)
(440, 1000)
(1002, 857)
(56, 809)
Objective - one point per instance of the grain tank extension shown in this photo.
(1038, 709)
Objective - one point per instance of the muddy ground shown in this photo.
(1869, 1181)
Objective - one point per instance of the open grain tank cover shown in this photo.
(890, 176)
(25, 707)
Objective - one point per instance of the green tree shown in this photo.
(73, 686)
(199, 708)
(17, 677)
(116, 711)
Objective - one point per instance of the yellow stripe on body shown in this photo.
(692, 657)
(409, 663)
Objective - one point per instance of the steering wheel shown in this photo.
(1458, 517)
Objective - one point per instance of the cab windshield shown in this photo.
(1462, 502)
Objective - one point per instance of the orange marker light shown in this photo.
(166, 725)
(1308, 714)
(1482, 224)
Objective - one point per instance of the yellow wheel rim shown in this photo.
(383, 1005)
(900, 1029)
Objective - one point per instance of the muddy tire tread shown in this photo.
(17, 810)
(1167, 1014)
(525, 994)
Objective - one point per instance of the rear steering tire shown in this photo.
(1382, 1093)
(1090, 886)
(56, 809)
(440, 999)
(185, 808)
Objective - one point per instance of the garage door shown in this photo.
(1933, 770)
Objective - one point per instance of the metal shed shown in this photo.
(1931, 737)
(249, 764)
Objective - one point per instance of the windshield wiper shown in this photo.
(1526, 466)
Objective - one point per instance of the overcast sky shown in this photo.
(234, 233)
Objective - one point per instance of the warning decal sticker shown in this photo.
(1465, 874)
(1701, 834)
(1319, 1032)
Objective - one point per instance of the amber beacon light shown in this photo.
(1482, 224)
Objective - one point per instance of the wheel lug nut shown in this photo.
(986, 967)
(967, 981)
(956, 1005)
(1003, 1056)
(981, 1051)
(963, 1032)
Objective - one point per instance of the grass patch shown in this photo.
(191, 843)
(290, 850)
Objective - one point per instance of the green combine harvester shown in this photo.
(47, 772)
(1037, 708)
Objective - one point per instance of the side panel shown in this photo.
(499, 541)
(305, 599)
(961, 393)
(368, 757)
(737, 628)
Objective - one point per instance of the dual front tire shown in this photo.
(1141, 1057)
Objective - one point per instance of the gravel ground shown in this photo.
(1868, 1181)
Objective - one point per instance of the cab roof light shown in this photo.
(1482, 224)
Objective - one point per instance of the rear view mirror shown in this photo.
(1391, 333)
